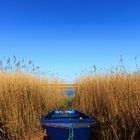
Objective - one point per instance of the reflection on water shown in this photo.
(70, 92)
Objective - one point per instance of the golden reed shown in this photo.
(114, 99)
(23, 98)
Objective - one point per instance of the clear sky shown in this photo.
(69, 36)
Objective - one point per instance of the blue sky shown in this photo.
(69, 36)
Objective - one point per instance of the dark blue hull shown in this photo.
(63, 134)
(71, 125)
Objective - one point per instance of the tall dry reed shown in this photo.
(114, 99)
(23, 98)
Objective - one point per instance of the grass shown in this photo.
(114, 99)
(23, 98)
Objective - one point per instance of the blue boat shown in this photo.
(68, 125)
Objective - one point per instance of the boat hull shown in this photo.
(70, 125)
(63, 133)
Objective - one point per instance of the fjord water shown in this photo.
(70, 92)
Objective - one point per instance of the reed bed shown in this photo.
(114, 99)
(23, 98)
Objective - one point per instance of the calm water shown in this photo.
(70, 92)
